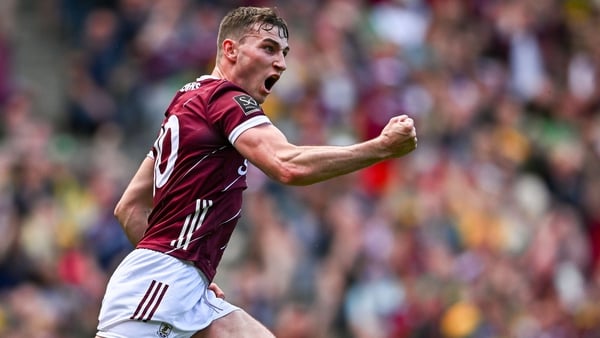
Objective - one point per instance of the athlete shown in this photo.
(183, 203)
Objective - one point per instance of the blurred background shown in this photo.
(490, 229)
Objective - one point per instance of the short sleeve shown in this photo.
(232, 111)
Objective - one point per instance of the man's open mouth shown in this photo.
(270, 82)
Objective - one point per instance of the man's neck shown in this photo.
(218, 73)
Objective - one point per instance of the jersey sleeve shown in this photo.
(233, 112)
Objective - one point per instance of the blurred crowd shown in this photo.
(490, 229)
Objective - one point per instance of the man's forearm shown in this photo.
(312, 164)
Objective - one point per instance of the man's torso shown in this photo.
(199, 176)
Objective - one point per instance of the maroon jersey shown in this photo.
(199, 176)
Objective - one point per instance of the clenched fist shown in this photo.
(399, 136)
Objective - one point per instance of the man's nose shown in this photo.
(279, 63)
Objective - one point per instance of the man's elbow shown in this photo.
(120, 213)
(290, 176)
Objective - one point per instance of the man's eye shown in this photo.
(269, 49)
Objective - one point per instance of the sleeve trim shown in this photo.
(253, 122)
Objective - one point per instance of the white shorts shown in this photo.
(151, 294)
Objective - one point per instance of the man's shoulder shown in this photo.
(222, 92)
(210, 88)
(209, 83)
(218, 96)
(201, 84)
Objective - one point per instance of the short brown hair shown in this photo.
(242, 19)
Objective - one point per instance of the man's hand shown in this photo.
(217, 290)
(399, 136)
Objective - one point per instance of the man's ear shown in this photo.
(230, 49)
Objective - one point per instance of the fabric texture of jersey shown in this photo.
(199, 177)
(155, 295)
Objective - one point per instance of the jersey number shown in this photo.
(167, 146)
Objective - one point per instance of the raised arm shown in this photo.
(267, 148)
(136, 202)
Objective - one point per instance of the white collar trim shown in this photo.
(205, 77)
